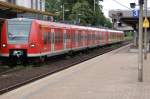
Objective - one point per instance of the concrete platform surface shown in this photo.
(110, 76)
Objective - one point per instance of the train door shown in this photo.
(65, 39)
(100, 34)
(88, 38)
(76, 38)
(49, 41)
(44, 31)
(103, 37)
(72, 38)
(116, 36)
(52, 40)
(93, 36)
(109, 37)
(68, 38)
(97, 38)
(113, 37)
(79, 38)
(84, 40)
(58, 39)
(106, 37)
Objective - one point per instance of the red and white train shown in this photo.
(23, 38)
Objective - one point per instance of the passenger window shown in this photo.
(58, 37)
(45, 38)
(49, 37)
(73, 37)
(79, 37)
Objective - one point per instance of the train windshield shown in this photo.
(18, 31)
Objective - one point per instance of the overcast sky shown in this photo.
(111, 5)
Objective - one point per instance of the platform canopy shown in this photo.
(129, 17)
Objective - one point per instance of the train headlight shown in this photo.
(3, 45)
(20, 19)
(32, 45)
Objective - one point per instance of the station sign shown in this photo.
(135, 13)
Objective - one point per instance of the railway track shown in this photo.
(19, 77)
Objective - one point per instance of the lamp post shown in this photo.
(140, 41)
(94, 6)
(140, 53)
(78, 21)
(63, 12)
(145, 31)
(63, 7)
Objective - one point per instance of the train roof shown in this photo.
(20, 19)
(62, 25)
(117, 31)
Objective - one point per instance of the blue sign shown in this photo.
(135, 13)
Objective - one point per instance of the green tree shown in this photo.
(108, 23)
(80, 11)
(53, 5)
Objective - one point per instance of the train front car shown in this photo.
(15, 40)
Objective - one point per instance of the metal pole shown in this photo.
(140, 53)
(94, 6)
(63, 12)
(145, 31)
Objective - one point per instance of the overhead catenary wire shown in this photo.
(121, 4)
(134, 1)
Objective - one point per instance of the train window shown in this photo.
(45, 38)
(18, 32)
(110, 35)
(82, 36)
(53, 38)
(79, 37)
(88, 37)
(73, 37)
(68, 37)
(93, 36)
(101, 36)
(114, 36)
(58, 37)
(49, 37)
(97, 36)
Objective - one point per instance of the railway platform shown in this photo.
(113, 75)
